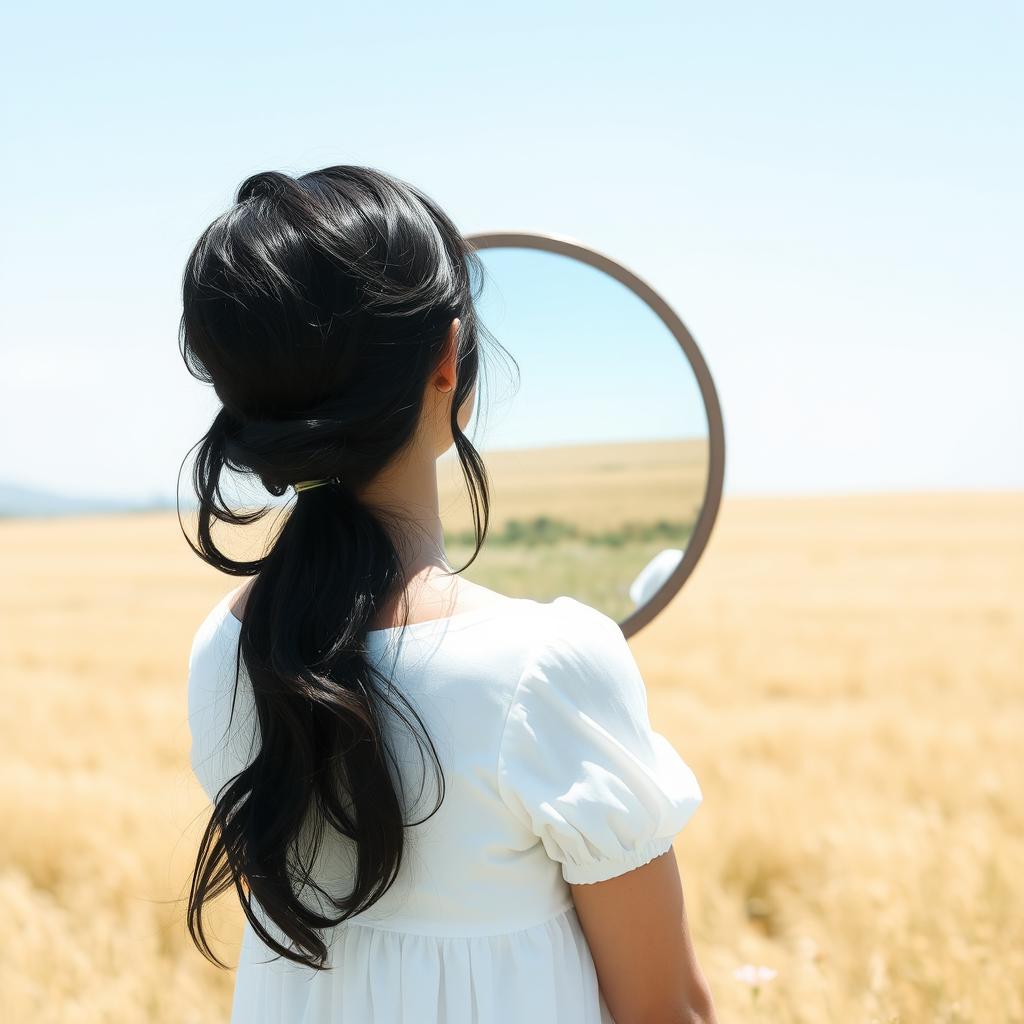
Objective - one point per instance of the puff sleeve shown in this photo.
(579, 763)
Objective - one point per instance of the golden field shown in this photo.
(843, 674)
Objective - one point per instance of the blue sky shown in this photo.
(829, 196)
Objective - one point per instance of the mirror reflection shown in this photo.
(593, 429)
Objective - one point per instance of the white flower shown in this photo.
(754, 974)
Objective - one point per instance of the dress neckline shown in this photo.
(424, 626)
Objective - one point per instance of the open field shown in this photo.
(843, 674)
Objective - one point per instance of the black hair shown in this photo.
(318, 306)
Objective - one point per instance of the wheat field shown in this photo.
(844, 674)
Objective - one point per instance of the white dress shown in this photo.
(553, 775)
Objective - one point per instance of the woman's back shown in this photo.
(552, 776)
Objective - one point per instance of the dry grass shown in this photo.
(844, 675)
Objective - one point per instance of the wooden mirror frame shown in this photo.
(641, 616)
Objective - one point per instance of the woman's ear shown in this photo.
(445, 374)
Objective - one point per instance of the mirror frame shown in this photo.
(701, 533)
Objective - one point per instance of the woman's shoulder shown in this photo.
(572, 610)
(573, 624)
(563, 622)
(208, 637)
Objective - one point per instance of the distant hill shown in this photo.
(17, 501)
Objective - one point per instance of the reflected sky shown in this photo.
(595, 362)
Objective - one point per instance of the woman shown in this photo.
(530, 879)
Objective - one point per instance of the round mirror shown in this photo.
(600, 427)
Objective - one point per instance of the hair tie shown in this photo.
(305, 485)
